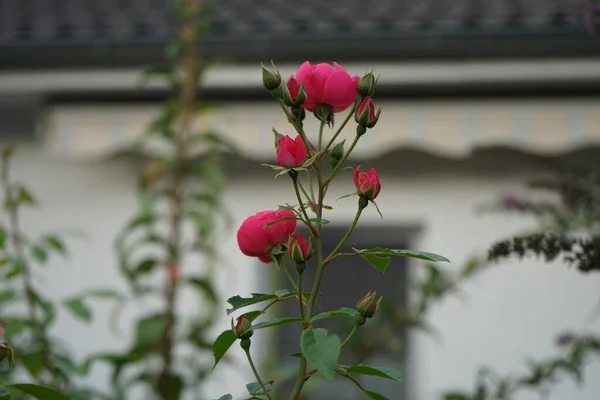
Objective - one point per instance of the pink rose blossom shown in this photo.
(255, 240)
(326, 84)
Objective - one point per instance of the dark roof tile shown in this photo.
(153, 21)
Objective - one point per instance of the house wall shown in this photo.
(509, 314)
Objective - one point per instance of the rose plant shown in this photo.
(271, 236)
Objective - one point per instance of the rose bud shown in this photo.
(365, 113)
(299, 249)
(367, 184)
(366, 85)
(291, 152)
(243, 328)
(367, 306)
(271, 79)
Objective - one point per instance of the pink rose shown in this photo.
(367, 184)
(255, 240)
(328, 85)
(291, 152)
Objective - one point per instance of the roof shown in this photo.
(257, 28)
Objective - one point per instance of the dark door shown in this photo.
(346, 280)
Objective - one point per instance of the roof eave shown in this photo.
(375, 49)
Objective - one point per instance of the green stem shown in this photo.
(336, 134)
(343, 160)
(358, 385)
(352, 332)
(310, 186)
(301, 203)
(361, 206)
(300, 294)
(320, 142)
(319, 276)
(289, 277)
(283, 267)
(260, 381)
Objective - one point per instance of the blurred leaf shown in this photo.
(104, 294)
(276, 322)
(238, 302)
(54, 242)
(321, 350)
(456, 396)
(8, 151)
(18, 265)
(7, 296)
(255, 389)
(379, 257)
(380, 372)
(14, 326)
(149, 330)
(2, 237)
(24, 197)
(342, 312)
(376, 396)
(4, 393)
(204, 286)
(39, 254)
(46, 306)
(145, 266)
(79, 309)
(32, 361)
(39, 392)
(224, 397)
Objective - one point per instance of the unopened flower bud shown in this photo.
(271, 79)
(243, 328)
(366, 85)
(299, 249)
(367, 306)
(294, 93)
(336, 155)
(365, 113)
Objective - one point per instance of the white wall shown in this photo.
(508, 314)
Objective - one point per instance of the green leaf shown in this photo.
(145, 266)
(379, 257)
(342, 312)
(381, 372)
(24, 197)
(204, 285)
(238, 302)
(321, 350)
(255, 390)
(2, 237)
(456, 396)
(39, 254)
(150, 329)
(39, 392)
(376, 396)
(276, 322)
(227, 338)
(104, 294)
(224, 397)
(4, 393)
(55, 243)
(7, 296)
(222, 344)
(79, 309)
